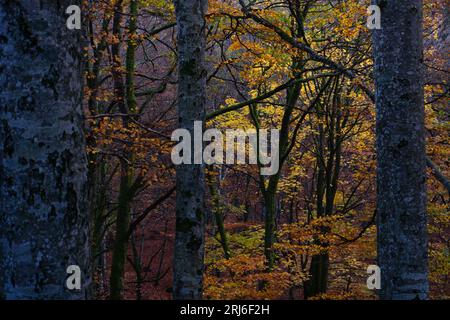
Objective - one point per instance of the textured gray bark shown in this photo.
(43, 211)
(189, 241)
(401, 200)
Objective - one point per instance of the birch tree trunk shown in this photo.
(44, 226)
(189, 239)
(401, 200)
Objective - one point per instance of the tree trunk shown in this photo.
(189, 239)
(121, 237)
(126, 194)
(218, 215)
(270, 193)
(401, 199)
(97, 197)
(328, 154)
(318, 281)
(44, 223)
(269, 226)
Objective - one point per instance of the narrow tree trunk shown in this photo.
(401, 199)
(137, 266)
(118, 83)
(318, 281)
(218, 216)
(44, 223)
(121, 237)
(98, 216)
(269, 226)
(328, 155)
(125, 193)
(189, 239)
(270, 193)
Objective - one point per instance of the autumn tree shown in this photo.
(44, 218)
(123, 84)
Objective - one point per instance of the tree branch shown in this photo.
(150, 208)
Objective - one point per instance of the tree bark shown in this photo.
(401, 173)
(218, 214)
(44, 223)
(318, 281)
(189, 239)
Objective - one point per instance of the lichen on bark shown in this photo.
(401, 197)
(44, 225)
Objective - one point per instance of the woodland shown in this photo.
(86, 123)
